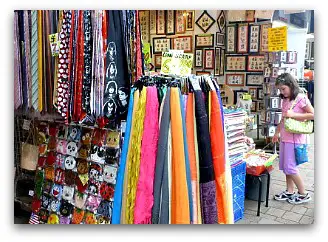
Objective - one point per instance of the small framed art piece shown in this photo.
(260, 94)
(161, 44)
(267, 71)
(255, 63)
(222, 62)
(217, 61)
(235, 79)
(291, 57)
(190, 18)
(199, 58)
(253, 93)
(205, 21)
(231, 39)
(250, 15)
(283, 56)
(264, 37)
(158, 60)
(160, 22)
(238, 94)
(260, 106)
(204, 41)
(209, 59)
(152, 21)
(253, 107)
(221, 21)
(220, 39)
(242, 43)
(144, 25)
(254, 79)
(275, 72)
(180, 23)
(183, 43)
(235, 63)
(254, 38)
(170, 22)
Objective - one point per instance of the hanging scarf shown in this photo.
(139, 70)
(144, 194)
(17, 65)
(40, 62)
(27, 49)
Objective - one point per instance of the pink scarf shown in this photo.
(144, 196)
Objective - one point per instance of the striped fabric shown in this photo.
(34, 60)
(34, 219)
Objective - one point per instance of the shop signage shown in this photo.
(277, 39)
(176, 63)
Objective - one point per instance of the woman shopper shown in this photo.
(301, 110)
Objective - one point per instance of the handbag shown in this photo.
(29, 153)
(301, 153)
(298, 127)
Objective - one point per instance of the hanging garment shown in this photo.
(116, 215)
(134, 157)
(160, 210)
(27, 49)
(169, 169)
(207, 184)
(218, 154)
(34, 58)
(145, 186)
(180, 213)
(17, 66)
(40, 62)
(192, 155)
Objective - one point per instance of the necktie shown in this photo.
(34, 59)
(27, 58)
(17, 66)
(40, 74)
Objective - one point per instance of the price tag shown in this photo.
(195, 83)
(26, 124)
(54, 44)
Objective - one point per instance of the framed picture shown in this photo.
(231, 39)
(170, 22)
(203, 73)
(264, 37)
(190, 18)
(283, 56)
(198, 58)
(254, 79)
(205, 21)
(238, 94)
(160, 22)
(221, 21)
(235, 79)
(217, 62)
(222, 62)
(158, 60)
(161, 44)
(144, 25)
(260, 106)
(275, 72)
(307, 51)
(220, 40)
(183, 43)
(253, 93)
(291, 57)
(152, 21)
(260, 94)
(180, 24)
(202, 41)
(267, 71)
(242, 43)
(250, 15)
(254, 38)
(235, 63)
(255, 63)
(253, 107)
(208, 59)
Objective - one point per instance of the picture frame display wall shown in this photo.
(254, 36)
(190, 19)
(231, 39)
(235, 63)
(254, 79)
(160, 22)
(170, 22)
(161, 44)
(255, 63)
(183, 43)
(152, 21)
(264, 37)
(180, 23)
(208, 59)
(144, 25)
(235, 79)
(199, 58)
(242, 43)
(204, 41)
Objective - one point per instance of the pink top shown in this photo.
(301, 102)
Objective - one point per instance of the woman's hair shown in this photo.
(288, 80)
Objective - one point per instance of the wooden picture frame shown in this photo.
(231, 39)
(254, 38)
(170, 22)
(260, 106)
(160, 22)
(152, 21)
(254, 79)
(199, 58)
(144, 25)
(183, 43)
(264, 37)
(220, 39)
(201, 73)
(253, 92)
(161, 44)
(180, 24)
(205, 21)
(190, 19)
(208, 59)
(255, 63)
(158, 60)
(250, 15)
(275, 72)
(242, 40)
(237, 94)
(253, 106)
(235, 63)
(222, 62)
(204, 41)
(217, 64)
(221, 21)
(260, 93)
(237, 80)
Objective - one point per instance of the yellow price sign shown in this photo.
(176, 63)
(277, 39)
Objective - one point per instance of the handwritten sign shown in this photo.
(277, 39)
(176, 63)
(54, 44)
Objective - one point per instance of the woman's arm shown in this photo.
(308, 115)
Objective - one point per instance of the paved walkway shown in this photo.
(284, 212)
